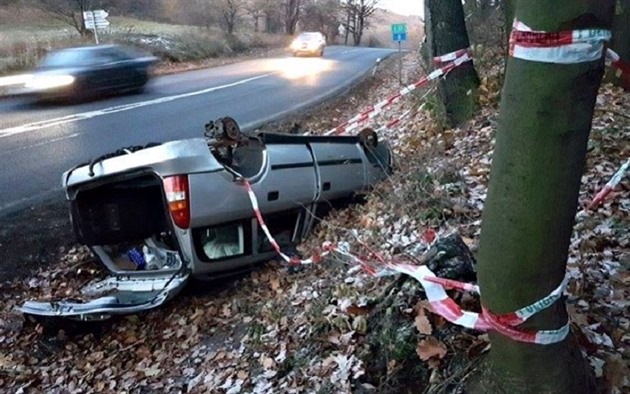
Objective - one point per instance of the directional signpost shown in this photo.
(95, 20)
(399, 34)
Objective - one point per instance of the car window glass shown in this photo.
(309, 36)
(222, 242)
(70, 58)
(108, 56)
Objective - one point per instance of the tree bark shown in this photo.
(621, 41)
(545, 120)
(292, 15)
(446, 33)
(508, 8)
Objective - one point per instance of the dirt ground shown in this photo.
(33, 237)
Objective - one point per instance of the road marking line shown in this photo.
(119, 108)
(67, 137)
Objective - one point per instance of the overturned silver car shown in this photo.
(156, 215)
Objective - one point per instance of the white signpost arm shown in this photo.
(95, 28)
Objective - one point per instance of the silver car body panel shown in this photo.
(171, 158)
(130, 295)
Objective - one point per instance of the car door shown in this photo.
(114, 69)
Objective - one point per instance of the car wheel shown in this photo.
(321, 52)
(138, 89)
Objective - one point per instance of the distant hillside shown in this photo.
(380, 29)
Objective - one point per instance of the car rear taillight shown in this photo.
(177, 195)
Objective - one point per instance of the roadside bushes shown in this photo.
(201, 45)
(195, 45)
(24, 55)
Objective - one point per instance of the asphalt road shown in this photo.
(38, 143)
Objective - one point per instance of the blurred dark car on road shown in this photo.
(86, 72)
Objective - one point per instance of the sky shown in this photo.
(403, 7)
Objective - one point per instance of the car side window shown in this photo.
(110, 56)
(223, 241)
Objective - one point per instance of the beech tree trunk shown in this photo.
(446, 32)
(621, 41)
(544, 124)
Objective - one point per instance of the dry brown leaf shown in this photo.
(617, 372)
(268, 363)
(430, 348)
(357, 310)
(423, 325)
(275, 284)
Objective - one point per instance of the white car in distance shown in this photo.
(310, 43)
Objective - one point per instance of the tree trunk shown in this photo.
(621, 41)
(446, 33)
(358, 34)
(347, 32)
(545, 120)
(508, 8)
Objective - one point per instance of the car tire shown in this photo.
(139, 89)
(321, 52)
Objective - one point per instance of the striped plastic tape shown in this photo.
(459, 57)
(435, 289)
(610, 186)
(565, 47)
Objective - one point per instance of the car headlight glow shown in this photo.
(42, 82)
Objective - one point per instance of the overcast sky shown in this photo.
(403, 7)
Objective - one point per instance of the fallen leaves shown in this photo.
(423, 325)
(430, 348)
(303, 332)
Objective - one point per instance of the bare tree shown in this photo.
(292, 10)
(68, 11)
(256, 10)
(323, 16)
(270, 13)
(357, 14)
(230, 12)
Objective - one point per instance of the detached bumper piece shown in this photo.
(120, 296)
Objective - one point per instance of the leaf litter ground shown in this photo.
(327, 328)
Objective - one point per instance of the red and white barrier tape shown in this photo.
(564, 47)
(610, 186)
(291, 260)
(451, 57)
(462, 57)
(615, 62)
(445, 306)
(396, 122)
(435, 289)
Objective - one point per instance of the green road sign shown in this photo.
(399, 28)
